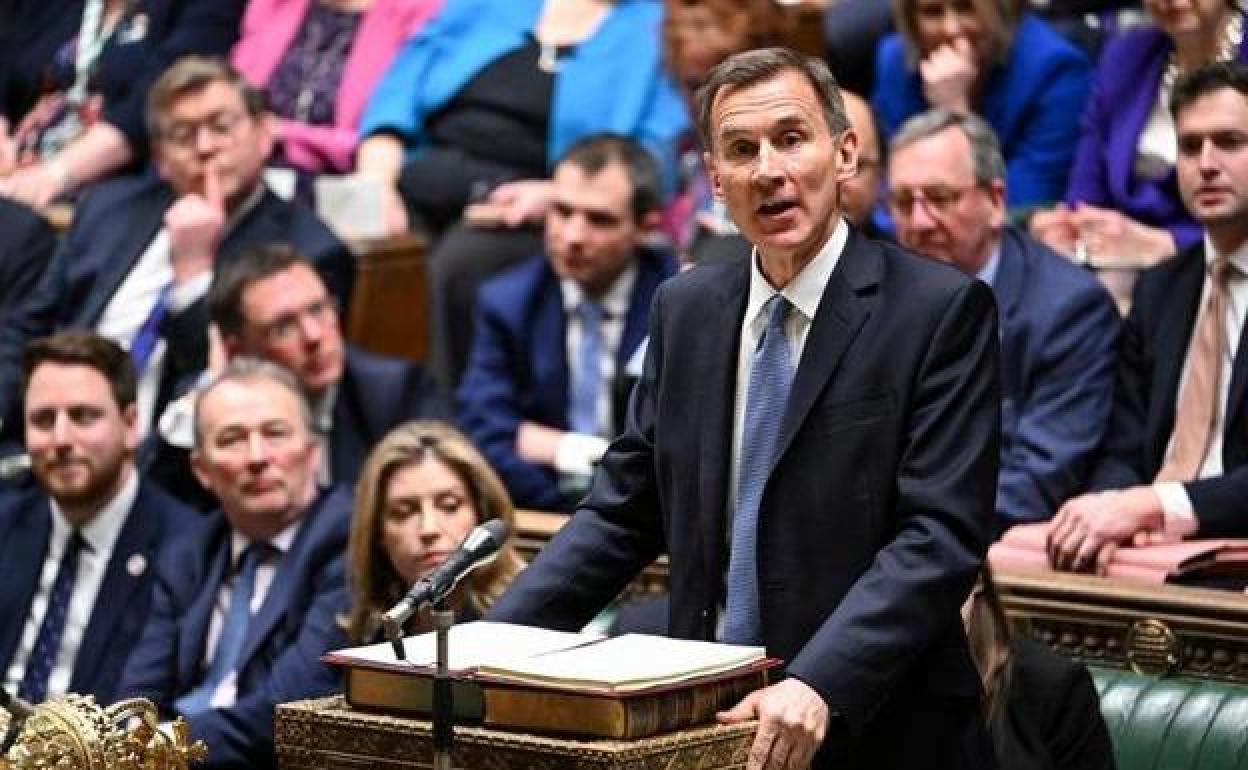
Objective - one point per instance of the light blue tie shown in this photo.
(771, 374)
(233, 632)
(587, 385)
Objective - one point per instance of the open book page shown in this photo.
(470, 645)
(626, 663)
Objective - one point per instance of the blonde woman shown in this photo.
(421, 491)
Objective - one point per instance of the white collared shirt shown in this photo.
(136, 297)
(988, 273)
(804, 292)
(100, 535)
(227, 692)
(1177, 506)
(615, 303)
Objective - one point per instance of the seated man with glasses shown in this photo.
(1059, 327)
(271, 303)
(141, 251)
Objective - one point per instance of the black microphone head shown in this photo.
(498, 530)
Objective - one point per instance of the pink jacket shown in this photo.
(269, 28)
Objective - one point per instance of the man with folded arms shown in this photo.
(77, 551)
(1175, 461)
(245, 602)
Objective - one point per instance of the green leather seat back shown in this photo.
(1173, 724)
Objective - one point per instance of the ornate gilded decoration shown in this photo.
(73, 732)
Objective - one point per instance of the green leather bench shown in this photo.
(1173, 723)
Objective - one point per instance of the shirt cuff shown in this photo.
(1179, 518)
(578, 453)
(186, 294)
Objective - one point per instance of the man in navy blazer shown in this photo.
(80, 432)
(874, 504)
(271, 303)
(1172, 466)
(140, 254)
(518, 397)
(246, 602)
(1059, 327)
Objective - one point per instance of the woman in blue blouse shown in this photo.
(475, 110)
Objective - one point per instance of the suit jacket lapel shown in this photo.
(145, 222)
(845, 305)
(22, 552)
(716, 364)
(282, 589)
(549, 350)
(193, 630)
(141, 530)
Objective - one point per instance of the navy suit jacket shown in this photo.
(280, 659)
(876, 512)
(113, 225)
(1059, 336)
(1154, 348)
(26, 246)
(122, 606)
(518, 370)
(376, 393)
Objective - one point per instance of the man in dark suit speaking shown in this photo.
(814, 441)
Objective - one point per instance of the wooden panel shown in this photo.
(389, 305)
(802, 28)
(1158, 630)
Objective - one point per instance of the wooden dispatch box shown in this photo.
(327, 734)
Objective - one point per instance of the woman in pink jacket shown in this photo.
(318, 61)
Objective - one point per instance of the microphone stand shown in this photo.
(443, 700)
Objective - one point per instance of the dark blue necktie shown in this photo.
(233, 633)
(771, 374)
(34, 686)
(145, 339)
(583, 415)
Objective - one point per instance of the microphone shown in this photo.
(14, 466)
(480, 547)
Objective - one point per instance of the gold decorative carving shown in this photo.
(74, 732)
(1152, 648)
(328, 734)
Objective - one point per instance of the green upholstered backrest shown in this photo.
(1173, 724)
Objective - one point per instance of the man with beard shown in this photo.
(246, 602)
(76, 551)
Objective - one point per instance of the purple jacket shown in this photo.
(1127, 78)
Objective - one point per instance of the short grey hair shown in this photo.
(987, 164)
(748, 68)
(250, 369)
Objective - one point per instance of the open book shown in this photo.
(519, 677)
(1024, 547)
